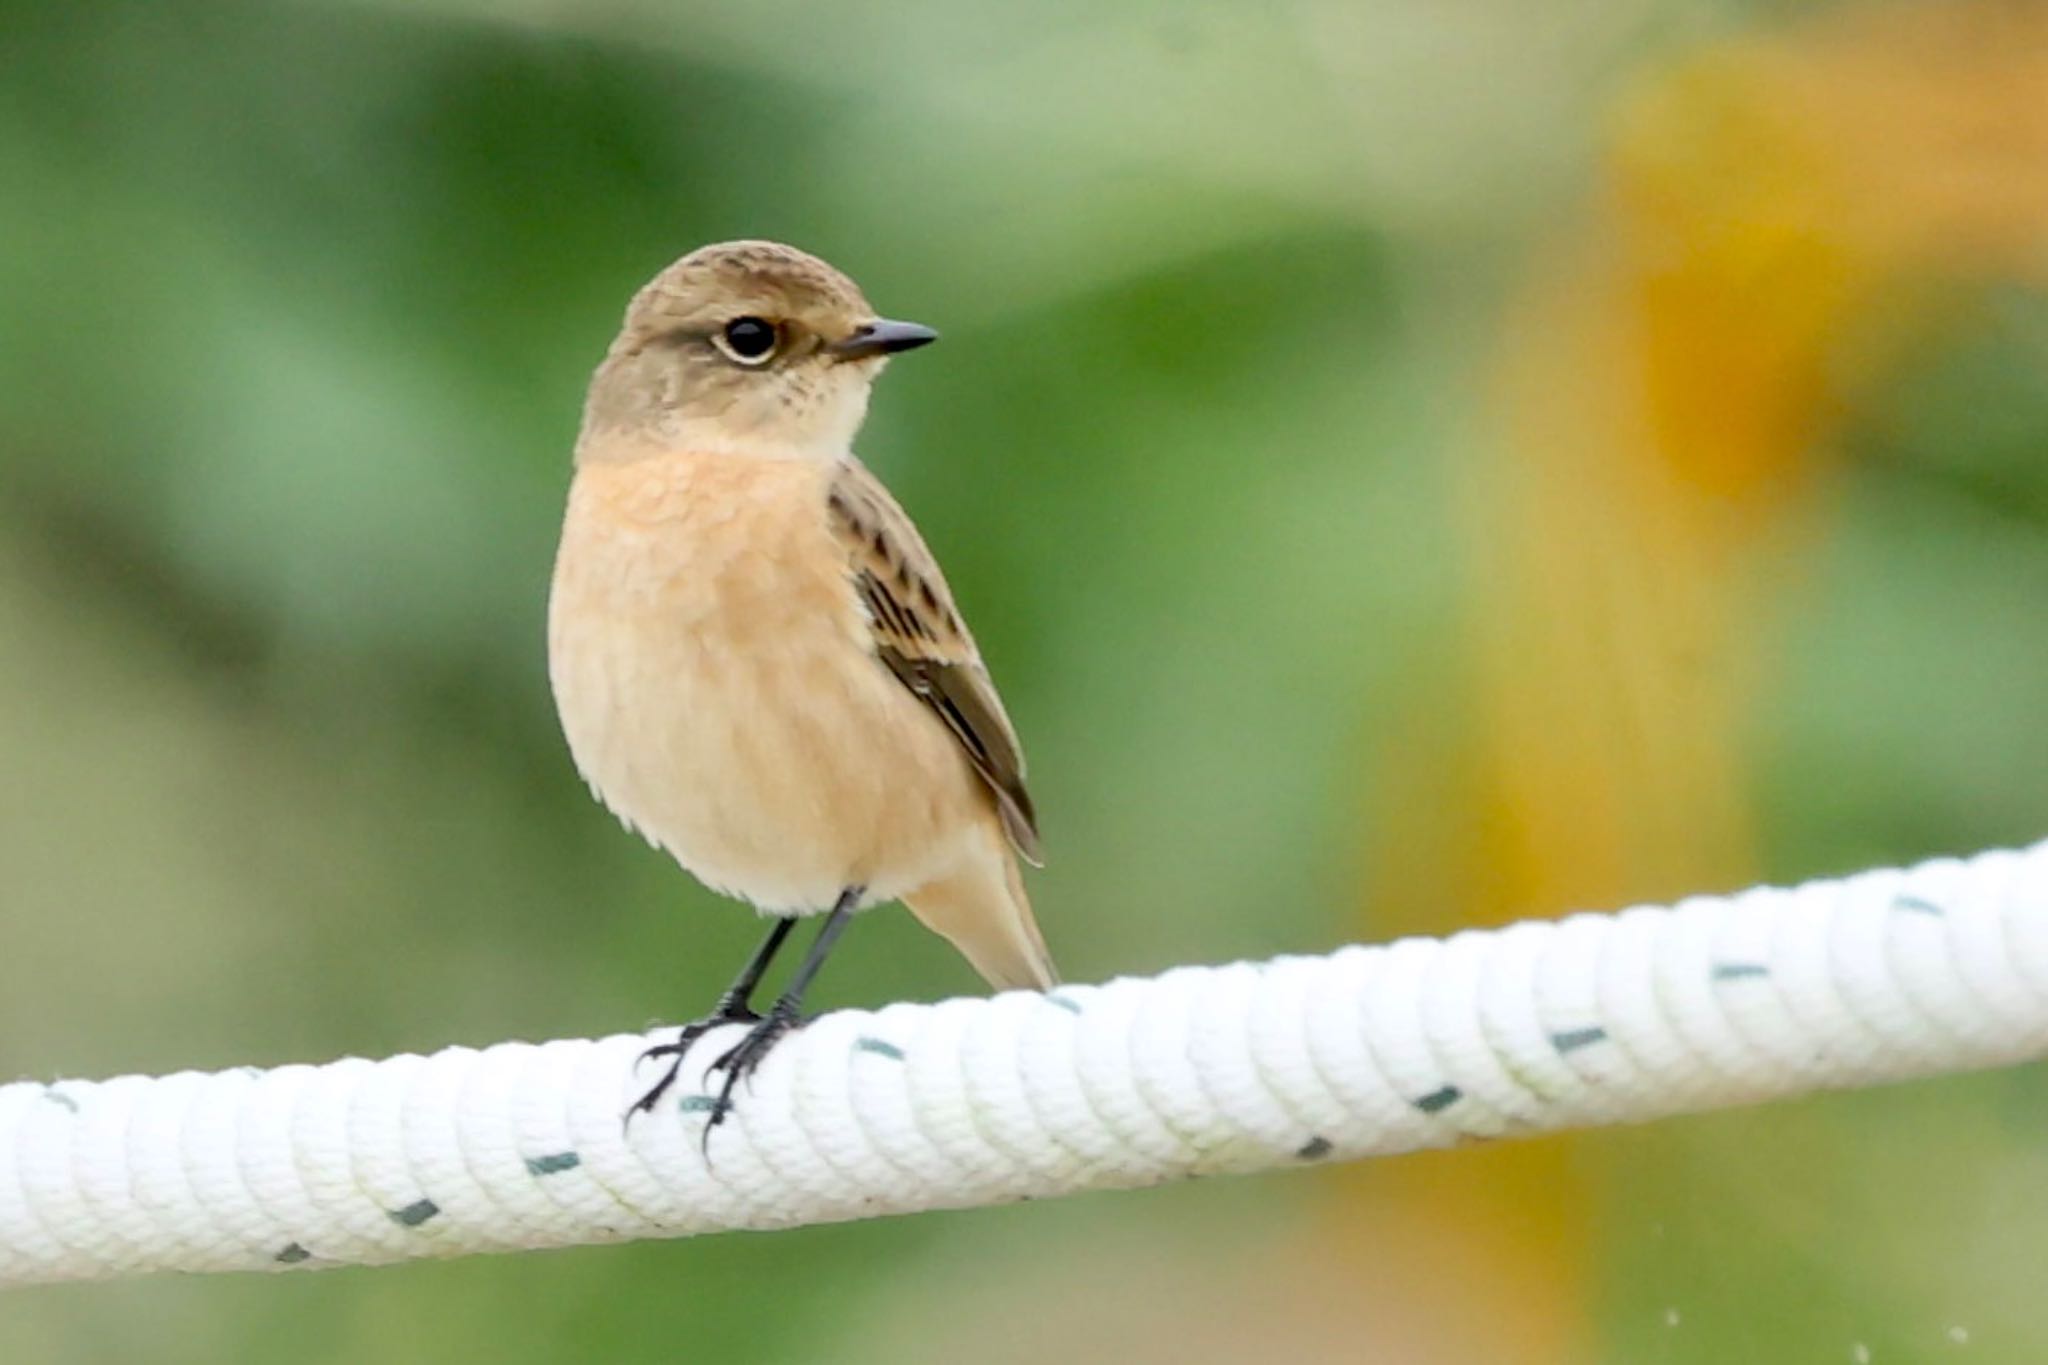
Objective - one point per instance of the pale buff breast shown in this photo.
(717, 687)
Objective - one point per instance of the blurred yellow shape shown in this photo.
(1775, 214)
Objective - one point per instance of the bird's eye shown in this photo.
(748, 340)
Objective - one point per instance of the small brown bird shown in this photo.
(756, 660)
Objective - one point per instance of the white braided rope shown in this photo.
(1540, 1026)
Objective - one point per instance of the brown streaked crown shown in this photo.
(717, 283)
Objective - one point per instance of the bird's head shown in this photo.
(749, 347)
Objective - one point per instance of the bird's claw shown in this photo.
(740, 1061)
(679, 1047)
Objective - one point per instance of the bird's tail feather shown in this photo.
(983, 911)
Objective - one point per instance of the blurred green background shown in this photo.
(1408, 466)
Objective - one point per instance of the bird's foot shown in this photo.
(728, 1011)
(739, 1061)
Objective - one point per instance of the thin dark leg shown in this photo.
(828, 934)
(736, 999)
(740, 1060)
(734, 1007)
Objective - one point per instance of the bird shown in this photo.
(755, 659)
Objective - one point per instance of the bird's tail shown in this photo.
(982, 910)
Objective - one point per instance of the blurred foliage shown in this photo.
(1241, 453)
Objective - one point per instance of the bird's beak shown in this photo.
(883, 337)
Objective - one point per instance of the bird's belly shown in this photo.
(718, 692)
(772, 778)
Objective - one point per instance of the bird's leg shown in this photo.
(739, 1061)
(734, 1007)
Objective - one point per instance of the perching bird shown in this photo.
(756, 660)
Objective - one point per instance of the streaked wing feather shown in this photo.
(919, 637)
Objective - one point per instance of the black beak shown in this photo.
(883, 337)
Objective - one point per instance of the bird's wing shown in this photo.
(919, 636)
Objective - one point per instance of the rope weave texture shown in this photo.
(1595, 1019)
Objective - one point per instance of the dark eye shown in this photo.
(749, 340)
